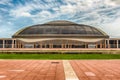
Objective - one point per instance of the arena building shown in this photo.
(59, 35)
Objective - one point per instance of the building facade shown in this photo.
(59, 35)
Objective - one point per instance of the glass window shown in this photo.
(8, 41)
(91, 45)
(29, 46)
(1, 41)
(113, 42)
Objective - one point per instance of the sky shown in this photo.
(18, 14)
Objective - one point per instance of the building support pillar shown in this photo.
(49, 45)
(40, 45)
(12, 43)
(69, 45)
(16, 44)
(100, 44)
(22, 45)
(108, 43)
(85, 45)
(45, 45)
(62, 46)
(96, 45)
(117, 44)
(65, 46)
(3, 43)
(19, 44)
(105, 44)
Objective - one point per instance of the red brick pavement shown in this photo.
(53, 69)
(97, 69)
(31, 70)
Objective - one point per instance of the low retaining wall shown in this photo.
(59, 50)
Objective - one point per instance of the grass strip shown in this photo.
(59, 56)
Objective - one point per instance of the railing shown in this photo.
(15, 46)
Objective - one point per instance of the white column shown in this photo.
(62, 46)
(96, 45)
(3, 43)
(100, 44)
(65, 45)
(51, 45)
(117, 44)
(12, 43)
(105, 43)
(108, 43)
(45, 45)
(40, 45)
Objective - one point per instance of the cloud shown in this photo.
(91, 12)
(20, 13)
(109, 2)
(116, 1)
(5, 2)
(112, 28)
(68, 9)
(45, 14)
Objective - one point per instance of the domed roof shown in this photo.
(60, 29)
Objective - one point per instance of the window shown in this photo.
(8, 43)
(29, 46)
(1, 43)
(91, 45)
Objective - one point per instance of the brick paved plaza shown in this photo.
(59, 70)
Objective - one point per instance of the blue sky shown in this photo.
(17, 14)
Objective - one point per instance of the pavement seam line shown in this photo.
(69, 72)
(2, 76)
(90, 74)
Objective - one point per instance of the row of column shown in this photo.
(108, 44)
(105, 44)
(22, 45)
(9, 44)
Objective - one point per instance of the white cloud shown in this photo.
(116, 1)
(113, 29)
(6, 2)
(109, 2)
(81, 11)
(70, 9)
(24, 10)
(45, 14)
(20, 13)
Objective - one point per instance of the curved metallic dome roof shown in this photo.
(59, 29)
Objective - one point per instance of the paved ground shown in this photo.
(56, 70)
